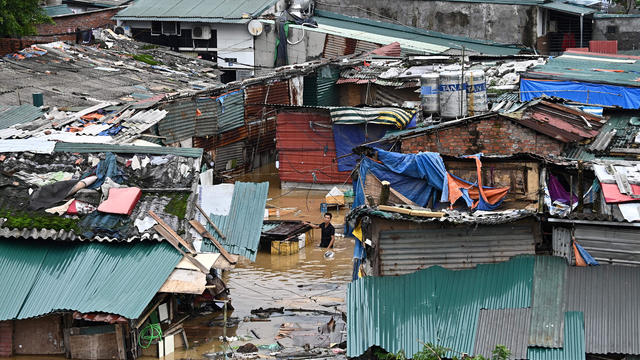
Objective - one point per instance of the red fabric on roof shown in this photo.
(612, 194)
(604, 46)
(306, 147)
(392, 49)
(121, 200)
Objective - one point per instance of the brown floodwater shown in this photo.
(304, 281)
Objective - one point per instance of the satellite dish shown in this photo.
(255, 27)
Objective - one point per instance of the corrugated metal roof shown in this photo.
(57, 10)
(568, 8)
(18, 115)
(508, 327)
(307, 148)
(588, 68)
(574, 345)
(410, 38)
(613, 245)
(547, 309)
(243, 225)
(229, 156)
(273, 93)
(33, 145)
(405, 251)
(39, 278)
(608, 295)
(231, 111)
(127, 149)
(194, 10)
(432, 305)
(207, 123)
(180, 121)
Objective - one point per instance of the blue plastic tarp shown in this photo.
(419, 177)
(587, 93)
(346, 137)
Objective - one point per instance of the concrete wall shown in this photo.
(626, 33)
(308, 46)
(497, 22)
(491, 136)
(234, 41)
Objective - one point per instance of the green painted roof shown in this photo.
(547, 309)
(574, 343)
(195, 10)
(242, 227)
(38, 278)
(398, 32)
(127, 149)
(568, 8)
(588, 67)
(13, 115)
(432, 305)
(57, 10)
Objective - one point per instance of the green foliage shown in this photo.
(34, 220)
(178, 205)
(501, 353)
(146, 58)
(437, 352)
(20, 17)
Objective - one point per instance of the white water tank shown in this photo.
(453, 97)
(429, 89)
(476, 92)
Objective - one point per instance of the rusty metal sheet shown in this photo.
(307, 149)
(273, 93)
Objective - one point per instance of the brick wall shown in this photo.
(6, 338)
(491, 136)
(63, 29)
(68, 24)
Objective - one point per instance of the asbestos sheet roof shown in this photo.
(410, 38)
(40, 278)
(608, 296)
(13, 115)
(242, 225)
(392, 312)
(128, 149)
(195, 10)
(508, 327)
(574, 346)
(166, 181)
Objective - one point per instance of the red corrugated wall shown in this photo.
(6, 338)
(305, 144)
(604, 46)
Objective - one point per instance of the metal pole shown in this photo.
(581, 26)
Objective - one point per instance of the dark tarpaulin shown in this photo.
(347, 137)
(50, 195)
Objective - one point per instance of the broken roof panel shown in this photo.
(78, 75)
(13, 115)
(40, 278)
(242, 225)
(195, 10)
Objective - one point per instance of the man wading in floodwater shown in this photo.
(328, 231)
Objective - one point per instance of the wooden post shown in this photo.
(384, 192)
(580, 186)
(211, 222)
